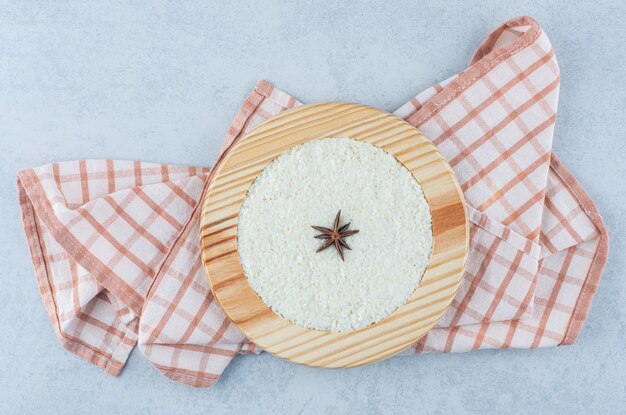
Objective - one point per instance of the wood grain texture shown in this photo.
(248, 157)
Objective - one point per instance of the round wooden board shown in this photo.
(238, 169)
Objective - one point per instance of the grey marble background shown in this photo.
(161, 81)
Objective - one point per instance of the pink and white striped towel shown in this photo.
(115, 244)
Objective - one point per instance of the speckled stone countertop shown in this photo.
(162, 82)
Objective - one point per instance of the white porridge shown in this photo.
(307, 186)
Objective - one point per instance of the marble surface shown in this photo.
(161, 82)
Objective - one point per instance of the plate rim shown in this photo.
(254, 318)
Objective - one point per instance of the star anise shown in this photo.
(335, 236)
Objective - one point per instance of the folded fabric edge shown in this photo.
(263, 90)
(489, 58)
(111, 363)
(190, 379)
(33, 190)
(489, 43)
(590, 286)
(277, 96)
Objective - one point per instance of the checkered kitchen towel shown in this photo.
(115, 244)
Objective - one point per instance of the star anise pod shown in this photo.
(335, 236)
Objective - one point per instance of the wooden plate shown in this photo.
(247, 158)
